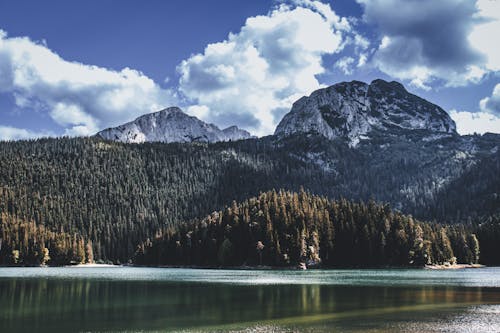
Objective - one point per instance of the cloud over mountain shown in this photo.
(475, 122)
(487, 119)
(253, 76)
(81, 98)
(491, 104)
(425, 40)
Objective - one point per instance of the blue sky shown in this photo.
(73, 68)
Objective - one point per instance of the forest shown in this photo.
(27, 244)
(111, 197)
(288, 228)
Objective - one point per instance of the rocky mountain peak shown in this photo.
(171, 125)
(388, 86)
(356, 110)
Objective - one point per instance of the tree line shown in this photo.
(28, 244)
(288, 228)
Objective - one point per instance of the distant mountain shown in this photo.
(171, 125)
(355, 111)
(353, 140)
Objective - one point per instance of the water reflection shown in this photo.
(75, 305)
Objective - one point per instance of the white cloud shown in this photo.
(484, 34)
(254, 76)
(475, 122)
(492, 104)
(199, 111)
(8, 133)
(449, 41)
(339, 23)
(363, 57)
(361, 42)
(345, 64)
(79, 97)
(487, 119)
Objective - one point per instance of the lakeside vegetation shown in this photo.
(287, 229)
(27, 244)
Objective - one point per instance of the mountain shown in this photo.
(171, 125)
(356, 110)
(398, 141)
(353, 111)
(117, 195)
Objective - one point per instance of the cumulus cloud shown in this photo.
(79, 97)
(487, 119)
(254, 76)
(8, 133)
(426, 40)
(486, 30)
(492, 104)
(475, 122)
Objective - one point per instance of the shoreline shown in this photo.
(453, 267)
(298, 268)
(268, 268)
(91, 265)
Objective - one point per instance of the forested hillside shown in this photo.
(446, 180)
(117, 195)
(286, 228)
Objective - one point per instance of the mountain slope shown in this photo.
(171, 125)
(355, 110)
(117, 195)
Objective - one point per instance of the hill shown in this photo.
(287, 228)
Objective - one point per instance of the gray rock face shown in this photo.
(171, 125)
(355, 110)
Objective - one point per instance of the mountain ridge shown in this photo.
(171, 125)
(353, 111)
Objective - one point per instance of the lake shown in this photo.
(129, 299)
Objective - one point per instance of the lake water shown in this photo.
(127, 299)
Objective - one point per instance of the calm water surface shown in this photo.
(127, 299)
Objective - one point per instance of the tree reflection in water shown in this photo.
(45, 305)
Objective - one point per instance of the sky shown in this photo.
(72, 68)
